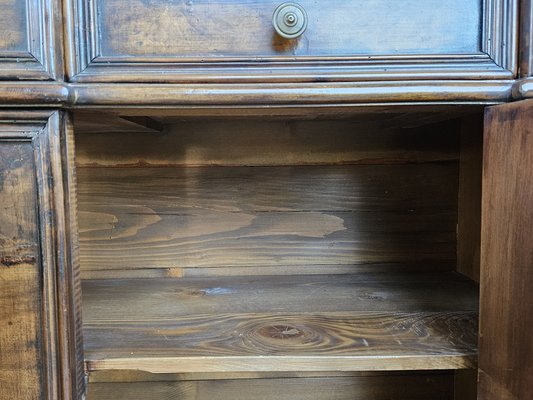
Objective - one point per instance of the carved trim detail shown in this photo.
(40, 62)
(63, 375)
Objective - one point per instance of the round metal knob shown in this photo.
(290, 20)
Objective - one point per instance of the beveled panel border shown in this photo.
(497, 59)
(43, 60)
(51, 137)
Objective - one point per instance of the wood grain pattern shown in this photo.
(168, 299)
(226, 328)
(384, 138)
(22, 375)
(346, 41)
(30, 47)
(180, 218)
(341, 95)
(243, 28)
(506, 348)
(413, 387)
(74, 376)
(39, 358)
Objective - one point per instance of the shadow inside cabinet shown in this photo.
(332, 258)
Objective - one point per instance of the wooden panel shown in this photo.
(29, 40)
(506, 348)
(360, 323)
(13, 32)
(368, 139)
(237, 28)
(39, 355)
(412, 387)
(21, 348)
(251, 218)
(347, 40)
(382, 291)
(469, 208)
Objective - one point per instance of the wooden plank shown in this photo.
(412, 387)
(272, 342)
(506, 348)
(306, 323)
(140, 299)
(268, 143)
(414, 114)
(124, 376)
(146, 218)
(304, 269)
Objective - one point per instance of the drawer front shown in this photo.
(28, 40)
(238, 29)
(128, 39)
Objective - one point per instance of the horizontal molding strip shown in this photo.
(164, 96)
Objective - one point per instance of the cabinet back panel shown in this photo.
(391, 200)
(374, 139)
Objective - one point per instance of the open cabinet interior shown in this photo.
(231, 257)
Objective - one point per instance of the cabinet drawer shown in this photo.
(231, 40)
(27, 40)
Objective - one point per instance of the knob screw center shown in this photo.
(291, 19)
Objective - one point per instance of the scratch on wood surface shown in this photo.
(9, 261)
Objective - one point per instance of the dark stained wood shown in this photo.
(306, 323)
(70, 282)
(280, 96)
(21, 348)
(123, 376)
(250, 217)
(383, 291)
(39, 356)
(506, 348)
(385, 387)
(174, 42)
(367, 139)
(99, 122)
(28, 94)
(526, 39)
(30, 46)
(465, 384)
(469, 208)
(399, 115)
(12, 19)
(243, 28)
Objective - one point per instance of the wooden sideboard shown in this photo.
(195, 207)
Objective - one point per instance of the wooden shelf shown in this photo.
(361, 322)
